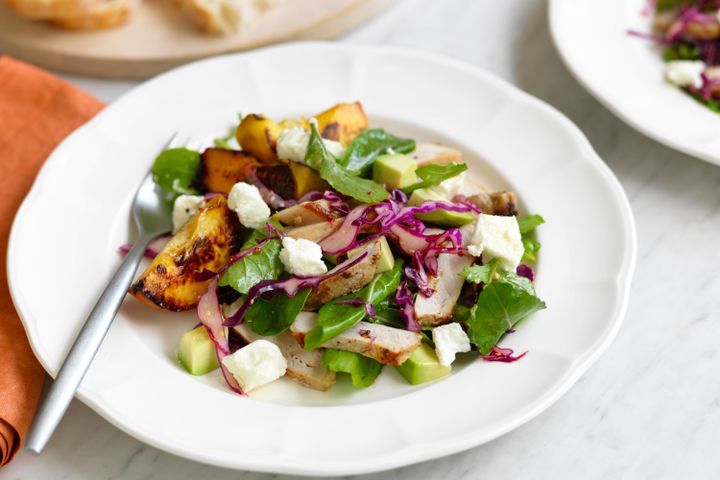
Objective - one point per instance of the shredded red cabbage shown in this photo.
(153, 248)
(336, 201)
(208, 310)
(504, 355)
(525, 271)
(210, 195)
(404, 299)
(359, 302)
(290, 286)
(424, 262)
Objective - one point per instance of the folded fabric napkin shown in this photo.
(37, 110)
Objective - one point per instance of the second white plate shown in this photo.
(64, 240)
(625, 73)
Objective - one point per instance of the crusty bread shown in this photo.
(222, 17)
(50, 9)
(108, 14)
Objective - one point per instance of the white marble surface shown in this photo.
(650, 408)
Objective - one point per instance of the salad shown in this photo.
(320, 247)
(689, 31)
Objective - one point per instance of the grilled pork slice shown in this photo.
(496, 203)
(304, 366)
(427, 153)
(437, 309)
(388, 345)
(350, 280)
(315, 231)
(307, 213)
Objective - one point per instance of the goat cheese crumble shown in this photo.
(497, 237)
(450, 339)
(184, 208)
(256, 364)
(293, 142)
(246, 201)
(302, 257)
(685, 73)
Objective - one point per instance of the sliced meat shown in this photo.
(663, 20)
(437, 309)
(350, 280)
(304, 366)
(315, 231)
(496, 203)
(427, 153)
(307, 213)
(387, 345)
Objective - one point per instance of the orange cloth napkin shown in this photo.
(37, 110)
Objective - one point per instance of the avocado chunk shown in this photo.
(444, 218)
(395, 171)
(197, 352)
(387, 260)
(423, 366)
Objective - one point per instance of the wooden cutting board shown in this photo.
(158, 37)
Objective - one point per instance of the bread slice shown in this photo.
(49, 9)
(109, 14)
(223, 17)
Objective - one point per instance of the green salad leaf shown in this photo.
(501, 305)
(264, 264)
(663, 5)
(480, 273)
(713, 105)
(273, 316)
(370, 144)
(432, 175)
(334, 318)
(387, 315)
(528, 223)
(681, 51)
(363, 370)
(531, 247)
(175, 171)
(337, 176)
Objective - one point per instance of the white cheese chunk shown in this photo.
(450, 187)
(302, 257)
(184, 208)
(293, 142)
(450, 339)
(497, 237)
(256, 364)
(246, 201)
(685, 73)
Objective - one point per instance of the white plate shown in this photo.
(625, 73)
(64, 240)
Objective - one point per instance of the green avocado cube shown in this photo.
(197, 352)
(423, 366)
(443, 218)
(387, 260)
(395, 171)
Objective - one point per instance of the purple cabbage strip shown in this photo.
(359, 302)
(290, 286)
(526, 271)
(403, 297)
(504, 355)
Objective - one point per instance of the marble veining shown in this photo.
(650, 408)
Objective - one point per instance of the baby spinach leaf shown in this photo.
(370, 144)
(480, 273)
(260, 234)
(663, 5)
(433, 174)
(175, 171)
(528, 223)
(262, 265)
(273, 316)
(681, 51)
(531, 246)
(363, 370)
(501, 305)
(334, 318)
(387, 315)
(338, 177)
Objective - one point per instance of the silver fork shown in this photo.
(153, 217)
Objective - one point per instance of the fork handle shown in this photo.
(86, 345)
